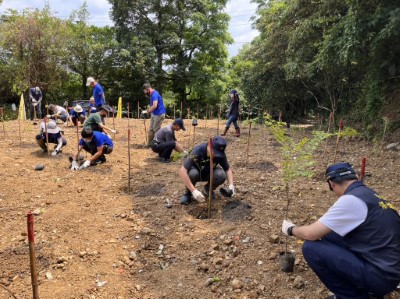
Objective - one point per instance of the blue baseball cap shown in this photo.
(179, 121)
(219, 145)
(233, 91)
(339, 172)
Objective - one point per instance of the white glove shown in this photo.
(34, 104)
(198, 196)
(48, 116)
(54, 153)
(231, 187)
(75, 165)
(286, 225)
(86, 164)
(144, 112)
(113, 131)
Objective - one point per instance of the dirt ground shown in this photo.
(94, 240)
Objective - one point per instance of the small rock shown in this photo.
(218, 261)
(82, 253)
(392, 146)
(274, 239)
(246, 240)
(37, 212)
(298, 282)
(61, 259)
(138, 287)
(39, 167)
(132, 255)
(49, 276)
(236, 284)
(145, 231)
(203, 267)
(228, 242)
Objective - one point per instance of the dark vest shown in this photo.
(377, 239)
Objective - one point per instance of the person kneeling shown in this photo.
(196, 168)
(54, 136)
(165, 142)
(97, 144)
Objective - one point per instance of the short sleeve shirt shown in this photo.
(155, 96)
(93, 120)
(200, 159)
(62, 111)
(99, 139)
(97, 94)
(165, 134)
(347, 213)
(76, 114)
(34, 95)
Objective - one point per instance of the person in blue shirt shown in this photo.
(97, 144)
(354, 248)
(54, 136)
(157, 110)
(196, 168)
(92, 106)
(98, 92)
(35, 102)
(78, 114)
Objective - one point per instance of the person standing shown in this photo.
(98, 92)
(53, 136)
(354, 248)
(233, 113)
(157, 110)
(165, 142)
(97, 144)
(196, 168)
(35, 102)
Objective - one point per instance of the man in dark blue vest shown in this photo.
(354, 248)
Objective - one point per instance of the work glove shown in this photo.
(198, 196)
(113, 131)
(48, 116)
(287, 227)
(232, 188)
(75, 165)
(86, 164)
(185, 154)
(144, 112)
(54, 153)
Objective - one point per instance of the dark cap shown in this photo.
(340, 172)
(219, 145)
(233, 91)
(179, 122)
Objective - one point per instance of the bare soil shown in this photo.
(94, 238)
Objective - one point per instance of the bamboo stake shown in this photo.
(128, 114)
(138, 116)
(114, 122)
(174, 110)
(145, 130)
(248, 144)
(47, 136)
(287, 211)
(331, 118)
(32, 258)
(363, 163)
(210, 189)
(2, 120)
(194, 134)
(77, 137)
(337, 140)
(219, 116)
(129, 161)
(181, 109)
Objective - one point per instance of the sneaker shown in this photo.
(100, 160)
(206, 192)
(186, 198)
(164, 160)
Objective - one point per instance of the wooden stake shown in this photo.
(174, 110)
(145, 130)
(138, 108)
(194, 134)
(219, 116)
(129, 161)
(2, 120)
(128, 114)
(363, 163)
(210, 189)
(77, 137)
(181, 109)
(248, 144)
(114, 122)
(337, 140)
(32, 257)
(331, 118)
(47, 136)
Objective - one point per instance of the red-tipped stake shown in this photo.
(363, 163)
(128, 114)
(210, 188)
(32, 257)
(129, 161)
(337, 139)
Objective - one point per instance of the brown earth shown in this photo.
(94, 240)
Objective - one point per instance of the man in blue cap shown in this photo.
(165, 141)
(196, 168)
(354, 248)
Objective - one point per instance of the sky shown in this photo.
(239, 10)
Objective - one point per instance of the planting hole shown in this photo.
(236, 210)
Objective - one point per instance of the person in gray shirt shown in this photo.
(164, 141)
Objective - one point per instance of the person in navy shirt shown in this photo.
(35, 102)
(53, 136)
(97, 144)
(78, 113)
(196, 168)
(354, 248)
(157, 110)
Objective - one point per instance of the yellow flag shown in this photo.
(21, 111)
(119, 113)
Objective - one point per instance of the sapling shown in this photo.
(297, 156)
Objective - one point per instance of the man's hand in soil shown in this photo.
(287, 227)
(75, 165)
(198, 196)
(232, 188)
(85, 165)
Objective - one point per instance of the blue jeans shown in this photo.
(343, 272)
(232, 119)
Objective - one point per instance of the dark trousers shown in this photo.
(343, 272)
(232, 119)
(164, 149)
(204, 176)
(41, 140)
(75, 119)
(92, 149)
(38, 108)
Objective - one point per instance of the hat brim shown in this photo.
(53, 131)
(78, 110)
(182, 127)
